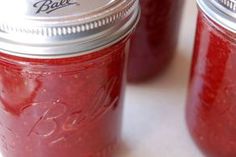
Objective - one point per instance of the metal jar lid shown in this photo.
(222, 12)
(61, 28)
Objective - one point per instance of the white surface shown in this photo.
(154, 124)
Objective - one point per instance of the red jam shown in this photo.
(211, 105)
(154, 42)
(62, 107)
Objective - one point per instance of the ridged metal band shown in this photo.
(220, 11)
(228, 4)
(68, 30)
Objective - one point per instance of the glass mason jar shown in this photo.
(62, 75)
(211, 104)
(155, 39)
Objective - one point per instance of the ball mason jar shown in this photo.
(62, 76)
(155, 39)
(211, 104)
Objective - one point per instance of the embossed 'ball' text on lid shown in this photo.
(57, 28)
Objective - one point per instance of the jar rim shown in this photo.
(218, 14)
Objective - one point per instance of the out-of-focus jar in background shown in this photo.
(62, 76)
(211, 104)
(154, 42)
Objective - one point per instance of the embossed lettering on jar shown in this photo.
(211, 104)
(62, 77)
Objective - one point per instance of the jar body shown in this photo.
(211, 104)
(62, 107)
(155, 39)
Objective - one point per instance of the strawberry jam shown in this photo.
(211, 104)
(66, 107)
(155, 39)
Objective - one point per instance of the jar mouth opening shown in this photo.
(217, 13)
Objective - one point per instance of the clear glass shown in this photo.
(211, 104)
(155, 39)
(66, 107)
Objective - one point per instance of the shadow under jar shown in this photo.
(62, 76)
(155, 39)
(211, 104)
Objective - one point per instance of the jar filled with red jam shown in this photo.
(211, 105)
(155, 39)
(62, 76)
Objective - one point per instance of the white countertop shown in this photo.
(154, 122)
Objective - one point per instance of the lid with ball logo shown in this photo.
(59, 28)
